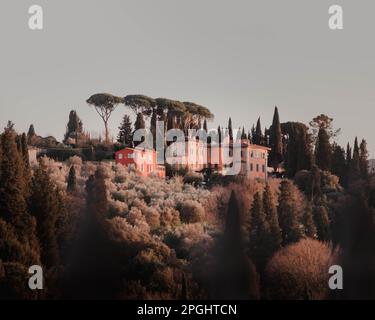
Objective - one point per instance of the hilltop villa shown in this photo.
(198, 156)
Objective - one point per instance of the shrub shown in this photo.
(191, 211)
(193, 178)
(300, 271)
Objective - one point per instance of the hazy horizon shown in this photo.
(238, 58)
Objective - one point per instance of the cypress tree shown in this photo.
(125, 136)
(258, 134)
(276, 144)
(74, 128)
(31, 134)
(308, 222)
(235, 275)
(298, 155)
(323, 151)
(139, 124)
(243, 134)
(363, 159)
(44, 206)
(26, 166)
(355, 162)
(205, 128)
(13, 206)
(219, 135)
(96, 200)
(13, 197)
(339, 167)
(322, 222)
(230, 130)
(348, 154)
(259, 232)
(72, 180)
(270, 210)
(288, 215)
(153, 121)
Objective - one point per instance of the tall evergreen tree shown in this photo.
(322, 222)
(235, 275)
(139, 124)
(13, 206)
(74, 128)
(354, 170)
(297, 144)
(13, 197)
(348, 154)
(258, 134)
(288, 215)
(44, 206)
(259, 234)
(308, 222)
(363, 159)
(31, 134)
(275, 142)
(153, 127)
(125, 135)
(339, 167)
(205, 128)
(96, 200)
(25, 164)
(72, 180)
(230, 129)
(270, 210)
(323, 151)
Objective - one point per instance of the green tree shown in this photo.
(322, 222)
(13, 204)
(258, 137)
(230, 129)
(24, 154)
(288, 214)
(274, 237)
(339, 167)
(138, 125)
(31, 134)
(323, 150)
(104, 105)
(323, 122)
(348, 155)
(297, 148)
(354, 167)
(275, 141)
(235, 275)
(74, 128)
(44, 206)
(363, 159)
(125, 135)
(96, 200)
(308, 222)
(259, 233)
(72, 180)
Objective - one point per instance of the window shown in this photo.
(263, 168)
(120, 156)
(257, 167)
(130, 155)
(251, 167)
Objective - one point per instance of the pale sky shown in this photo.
(240, 58)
